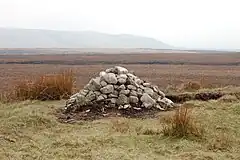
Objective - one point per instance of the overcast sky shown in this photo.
(183, 23)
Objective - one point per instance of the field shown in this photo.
(31, 130)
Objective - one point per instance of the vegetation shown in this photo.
(29, 130)
(46, 87)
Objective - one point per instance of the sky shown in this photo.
(205, 24)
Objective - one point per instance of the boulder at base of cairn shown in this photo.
(117, 88)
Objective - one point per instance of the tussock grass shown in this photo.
(182, 124)
(46, 87)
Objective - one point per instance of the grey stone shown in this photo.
(122, 87)
(133, 93)
(155, 96)
(130, 75)
(131, 87)
(147, 99)
(81, 100)
(146, 84)
(113, 100)
(156, 89)
(112, 96)
(136, 108)
(121, 70)
(75, 95)
(90, 96)
(100, 98)
(125, 92)
(84, 92)
(107, 89)
(127, 106)
(120, 107)
(101, 74)
(115, 86)
(141, 87)
(122, 80)
(124, 76)
(147, 105)
(97, 93)
(133, 99)
(111, 70)
(159, 107)
(94, 84)
(103, 83)
(168, 102)
(122, 99)
(115, 92)
(149, 91)
(139, 81)
(110, 78)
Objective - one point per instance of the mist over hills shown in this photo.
(38, 38)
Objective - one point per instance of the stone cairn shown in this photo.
(117, 88)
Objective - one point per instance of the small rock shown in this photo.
(120, 107)
(100, 98)
(110, 78)
(111, 70)
(127, 106)
(115, 92)
(139, 81)
(124, 76)
(131, 87)
(122, 81)
(146, 84)
(125, 92)
(103, 83)
(136, 108)
(122, 99)
(130, 75)
(133, 93)
(84, 92)
(155, 96)
(101, 74)
(121, 70)
(107, 89)
(147, 105)
(113, 100)
(87, 111)
(76, 95)
(122, 87)
(97, 93)
(112, 96)
(94, 84)
(149, 91)
(115, 86)
(147, 99)
(133, 99)
(90, 96)
(159, 107)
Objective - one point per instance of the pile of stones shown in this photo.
(119, 89)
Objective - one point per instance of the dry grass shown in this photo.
(182, 124)
(190, 86)
(29, 130)
(46, 87)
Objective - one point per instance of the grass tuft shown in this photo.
(46, 87)
(182, 125)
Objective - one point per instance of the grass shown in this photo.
(182, 125)
(29, 130)
(46, 87)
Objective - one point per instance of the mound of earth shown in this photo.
(116, 91)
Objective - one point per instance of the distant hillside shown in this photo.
(35, 38)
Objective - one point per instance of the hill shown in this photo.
(37, 38)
